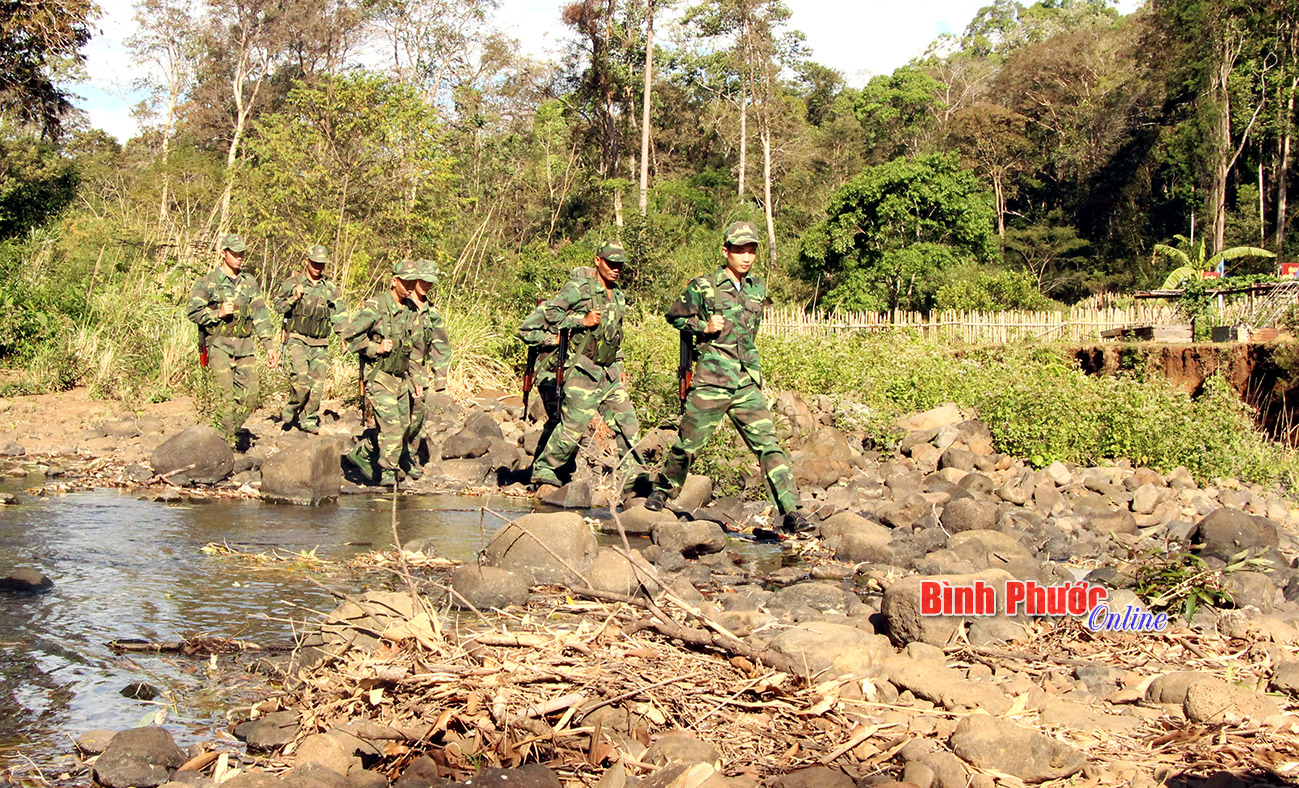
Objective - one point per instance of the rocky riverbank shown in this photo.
(657, 656)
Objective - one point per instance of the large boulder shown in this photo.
(901, 607)
(1213, 700)
(690, 539)
(201, 450)
(486, 587)
(638, 521)
(270, 731)
(529, 546)
(1226, 532)
(308, 473)
(932, 419)
(825, 458)
(993, 743)
(968, 514)
(25, 581)
(139, 757)
(820, 645)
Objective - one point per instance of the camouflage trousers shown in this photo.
(583, 400)
(236, 380)
(307, 367)
(421, 407)
(705, 407)
(380, 449)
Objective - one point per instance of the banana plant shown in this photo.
(1191, 260)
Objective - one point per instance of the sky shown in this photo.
(860, 39)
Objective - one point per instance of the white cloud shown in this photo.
(863, 39)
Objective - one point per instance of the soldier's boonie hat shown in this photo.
(612, 253)
(741, 233)
(232, 242)
(406, 269)
(428, 270)
(318, 254)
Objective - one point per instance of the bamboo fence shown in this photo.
(1074, 325)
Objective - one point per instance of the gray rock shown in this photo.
(993, 743)
(1145, 499)
(96, 741)
(12, 449)
(487, 587)
(814, 777)
(1119, 521)
(821, 597)
(695, 493)
(901, 608)
(680, 748)
(690, 539)
(1181, 479)
(613, 573)
(840, 648)
(968, 514)
(935, 682)
(25, 581)
(252, 779)
(312, 774)
(1285, 678)
(825, 459)
(269, 732)
(639, 521)
(308, 473)
(1172, 687)
(1214, 700)
(199, 446)
(1058, 474)
(1252, 589)
(364, 778)
(483, 425)
(574, 495)
(464, 472)
(465, 445)
(335, 751)
(518, 547)
(139, 757)
(960, 459)
(1226, 532)
(532, 775)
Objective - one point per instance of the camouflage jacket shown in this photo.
(430, 359)
(537, 333)
(589, 349)
(234, 333)
(379, 318)
(728, 358)
(314, 314)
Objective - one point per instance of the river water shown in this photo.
(130, 568)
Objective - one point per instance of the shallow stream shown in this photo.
(125, 568)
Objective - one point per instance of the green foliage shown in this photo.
(36, 183)
(990, 290)
(1190, 259)
(892, 230)
(1182, 582)
(358, 163)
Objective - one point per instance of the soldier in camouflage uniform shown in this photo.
(309, 303)
(380, 332)
(536, 332)
(430, 362)
(228, 308)
(592, 310)
(723, 311)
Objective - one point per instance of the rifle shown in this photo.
(367, 414)
(561, 361)
(529, 376)
(202, 348)
(685, 366)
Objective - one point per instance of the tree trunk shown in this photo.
(1222, 156)
(645, 111)
(1282, 176)
(1000, 197)
(766, 195)
(744, 140)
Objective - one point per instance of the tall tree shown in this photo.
(164, 38)
(36, 39)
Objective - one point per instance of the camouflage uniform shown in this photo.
(387, 394)
(430, 362)
(229, 340)
(593, 373)
(309, 318)
(727, 379)
(537, 333)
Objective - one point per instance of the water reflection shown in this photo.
(126, 568)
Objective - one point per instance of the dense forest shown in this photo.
(1036, 158)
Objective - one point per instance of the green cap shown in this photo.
(612, 253)
(318, 254)
(741, 233)
(232, 242)
(406, 269)
(428, 270)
